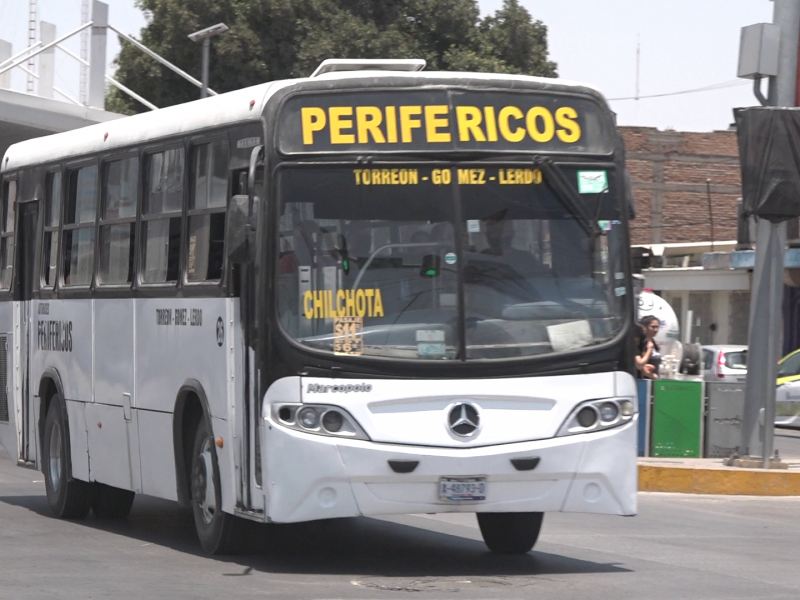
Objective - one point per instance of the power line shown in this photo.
(707, 88)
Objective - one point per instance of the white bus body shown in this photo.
(123, 335)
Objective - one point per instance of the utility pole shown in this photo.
(767, 292)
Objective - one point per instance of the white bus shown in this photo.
(373, 291)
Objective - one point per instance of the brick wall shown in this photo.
(668, 172)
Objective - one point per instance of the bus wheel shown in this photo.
(111, 503)
(68, 499)
(215, 528)
(510, 533)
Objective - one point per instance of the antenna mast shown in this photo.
(84, 52)
(638, 54)
(636, 95)
(31, 41)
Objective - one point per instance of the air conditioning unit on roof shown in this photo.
(335, 65)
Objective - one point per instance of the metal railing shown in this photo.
(29, 53)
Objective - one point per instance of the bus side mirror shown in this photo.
(242, 210)
(238, 230)
(628, 191)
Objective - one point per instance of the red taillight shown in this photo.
(720, 364)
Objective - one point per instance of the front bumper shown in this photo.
(310, 477)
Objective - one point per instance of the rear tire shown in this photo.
(111, 502)
(68, 499)
(510, 533)
(217, 530)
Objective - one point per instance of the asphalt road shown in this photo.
(678, 547)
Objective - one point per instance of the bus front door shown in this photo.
(10, 435)
(19, 345)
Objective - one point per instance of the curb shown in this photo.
(721, 481)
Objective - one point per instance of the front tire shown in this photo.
(216, 529)
(68, 499)
(510, 533)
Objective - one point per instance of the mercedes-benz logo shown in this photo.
(463, 419)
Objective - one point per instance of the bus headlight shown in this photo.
(587, 416)
(319, 419)
(596, 415)
(609, 412)
(332, 421)
(308, 418)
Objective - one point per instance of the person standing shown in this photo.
(648, 357)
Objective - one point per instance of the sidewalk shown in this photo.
(710, 476)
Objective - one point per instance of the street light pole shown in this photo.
(781, 93)
(205, 35)
(758, 418)
(204, 79)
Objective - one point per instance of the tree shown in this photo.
(518, 41)
(278, 39)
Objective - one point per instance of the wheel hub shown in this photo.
(55, 456)
(203, 492)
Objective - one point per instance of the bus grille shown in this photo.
(3, 378)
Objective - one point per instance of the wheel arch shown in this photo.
(191, 405)
(49, 385)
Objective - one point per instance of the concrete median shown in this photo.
(710, 476)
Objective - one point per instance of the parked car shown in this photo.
(787, 396)
(728, 364)
(725, 364)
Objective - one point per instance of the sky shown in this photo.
(683, 45)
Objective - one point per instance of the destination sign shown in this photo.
(466, 176)
(441, 120)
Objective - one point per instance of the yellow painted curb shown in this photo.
(745, 482)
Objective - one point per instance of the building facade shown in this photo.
(670, 173)
(686, 186)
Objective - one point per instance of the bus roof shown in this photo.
(239, 106)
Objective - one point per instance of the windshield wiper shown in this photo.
(568, 197)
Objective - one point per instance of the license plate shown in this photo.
(459, 489)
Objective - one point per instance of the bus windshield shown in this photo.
(449, 263)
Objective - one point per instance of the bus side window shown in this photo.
(79, 220)
(52, 219)
(207, 204)
(161, 217)
(118, 221)
(7, 234)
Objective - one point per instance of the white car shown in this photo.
(787, 405)
(725, 364)
(787, 396)
(728, 364)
